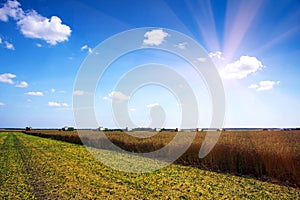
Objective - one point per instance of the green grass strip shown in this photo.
(14, 182)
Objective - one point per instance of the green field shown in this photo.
(37, 168)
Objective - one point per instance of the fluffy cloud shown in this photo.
(201, 59)
(35, 93)
(151, 105)
(86, 47)
(22, 84)
(155, 37)
(218, 55)
(116, 97)
(181, 45)
(253, 86)
(264, 85)
(64, 104)
(78, 92)
(56, 104)
(34, 25)
(53, 104)
(51, 30)
(241, 68)
(52, 90)
(7, 78)
(2, 104)
(9, 45)
(11, 9)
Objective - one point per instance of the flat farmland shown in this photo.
(40, 168)
(272, 156)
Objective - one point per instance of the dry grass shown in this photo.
(267, 155)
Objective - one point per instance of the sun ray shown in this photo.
(204, 18)
(174, 18)
(286, 28)
(239, 18)
(277, 40)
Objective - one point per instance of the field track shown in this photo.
(38, 168)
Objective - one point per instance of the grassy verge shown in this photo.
(59, 170)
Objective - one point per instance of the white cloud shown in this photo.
(52, 90)
(181, 45)
(155, 37)
(132, 109)
(51, 30)
(201, 59)
(252, 86)
(78, 92)
(116, 97)
(264, 85)
(241, 68)
(35, 93)
(217, 54)
(38, 45)
(57, 104)
(65, 104)
(86, 47)
(2, 104)
(7, 78)
(22, 84)
(53, 104)
(11, 9)
(34, 25)
(9, 45)
(151, 105)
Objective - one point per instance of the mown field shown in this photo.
(272, 156)
(39, 168)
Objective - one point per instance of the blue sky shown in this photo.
(254, 45)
